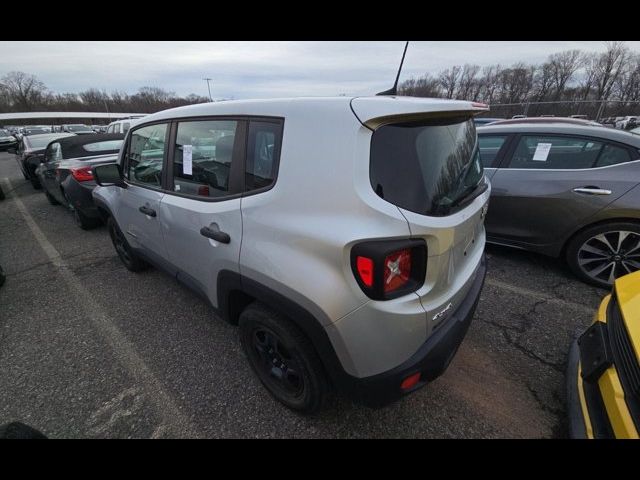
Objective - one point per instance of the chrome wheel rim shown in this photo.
(609, 255)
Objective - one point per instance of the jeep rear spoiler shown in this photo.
(373, 112)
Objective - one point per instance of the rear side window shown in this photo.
(490, 145)
(554, 153)
(202, 157)
(613, 155)
(145, 155)
(262, 154)
(427, 167)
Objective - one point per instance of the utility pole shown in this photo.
(208, 87)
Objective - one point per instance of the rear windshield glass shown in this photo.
(428, 168)
(104, 146)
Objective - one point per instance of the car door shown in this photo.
(138, 213)
(547, 184)
(201, 217)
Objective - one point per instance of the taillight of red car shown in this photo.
(83, 174)
(389, 269)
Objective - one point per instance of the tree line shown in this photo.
(567, 76)
(23, 92)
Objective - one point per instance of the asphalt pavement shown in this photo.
(89, 349)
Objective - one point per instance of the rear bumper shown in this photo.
(577, 420)
(80, 195)
(431, 359)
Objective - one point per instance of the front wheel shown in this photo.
(283, 358)
(126, 254)
(602, 253)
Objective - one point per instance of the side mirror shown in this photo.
(11, 150)
(107, 175)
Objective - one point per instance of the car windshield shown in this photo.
(30, 131)
(78, 128)
(427, 168)
(4, 133)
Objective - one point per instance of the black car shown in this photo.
(66, 172)
(30, 152)
(7, 140)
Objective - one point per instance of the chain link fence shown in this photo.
(593, 109)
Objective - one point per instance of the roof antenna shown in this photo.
(394, 90)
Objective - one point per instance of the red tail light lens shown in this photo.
(397, 270)
(410, 381)
(387, 269)
(83, 174)
(365, 270)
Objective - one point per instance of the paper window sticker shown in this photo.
(187, 159)
(542, 152)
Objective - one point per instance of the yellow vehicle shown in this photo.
(603, 373)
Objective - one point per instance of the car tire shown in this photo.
(35, 182)
(607, 246)
(84, 222)
(124, 251)
(283, 358)
(51, 198)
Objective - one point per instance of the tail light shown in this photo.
(83, 174)
(389, 269)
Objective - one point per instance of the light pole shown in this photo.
(208, 87)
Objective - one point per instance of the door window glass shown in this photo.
(613, 155)
(263, 147)
(145, 155)
(551, 152)
(490, 145)
(202, 157)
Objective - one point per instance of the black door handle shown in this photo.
(216, 235)
(148, 211)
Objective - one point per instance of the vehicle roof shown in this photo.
(574, 121)
(565, 128)
(365, 108)
(72, 145)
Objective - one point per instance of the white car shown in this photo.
(122, 126)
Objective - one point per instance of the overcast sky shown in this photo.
(258, 69)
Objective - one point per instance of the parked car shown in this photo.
(479, 121)
(624, 123)
(566, 191)
(121, 126)
(343, 235)
(30, 152)
(7, 140)
(35, 130)
(78, 129)
(603, 368)
(99, 128)
(66, 172)
(546, 120)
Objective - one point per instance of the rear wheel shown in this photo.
(126, 254)
(283, 358)
(602, 253)
(51, 198)
(84, 222)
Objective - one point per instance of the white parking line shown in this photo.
(172, 416)
(539, 296)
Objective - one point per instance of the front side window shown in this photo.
(202, 157)
(262, 151)
(427, 167)
(490, 145)
(145, 155)
(555, 152)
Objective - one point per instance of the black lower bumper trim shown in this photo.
(577, 428)
(431, 360)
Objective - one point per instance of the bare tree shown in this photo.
(608, 67)
(24, 90)
(563, 66)
(449, 80)
(468, 81)
(425, 86)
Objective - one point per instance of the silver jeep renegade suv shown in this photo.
(343, 235)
